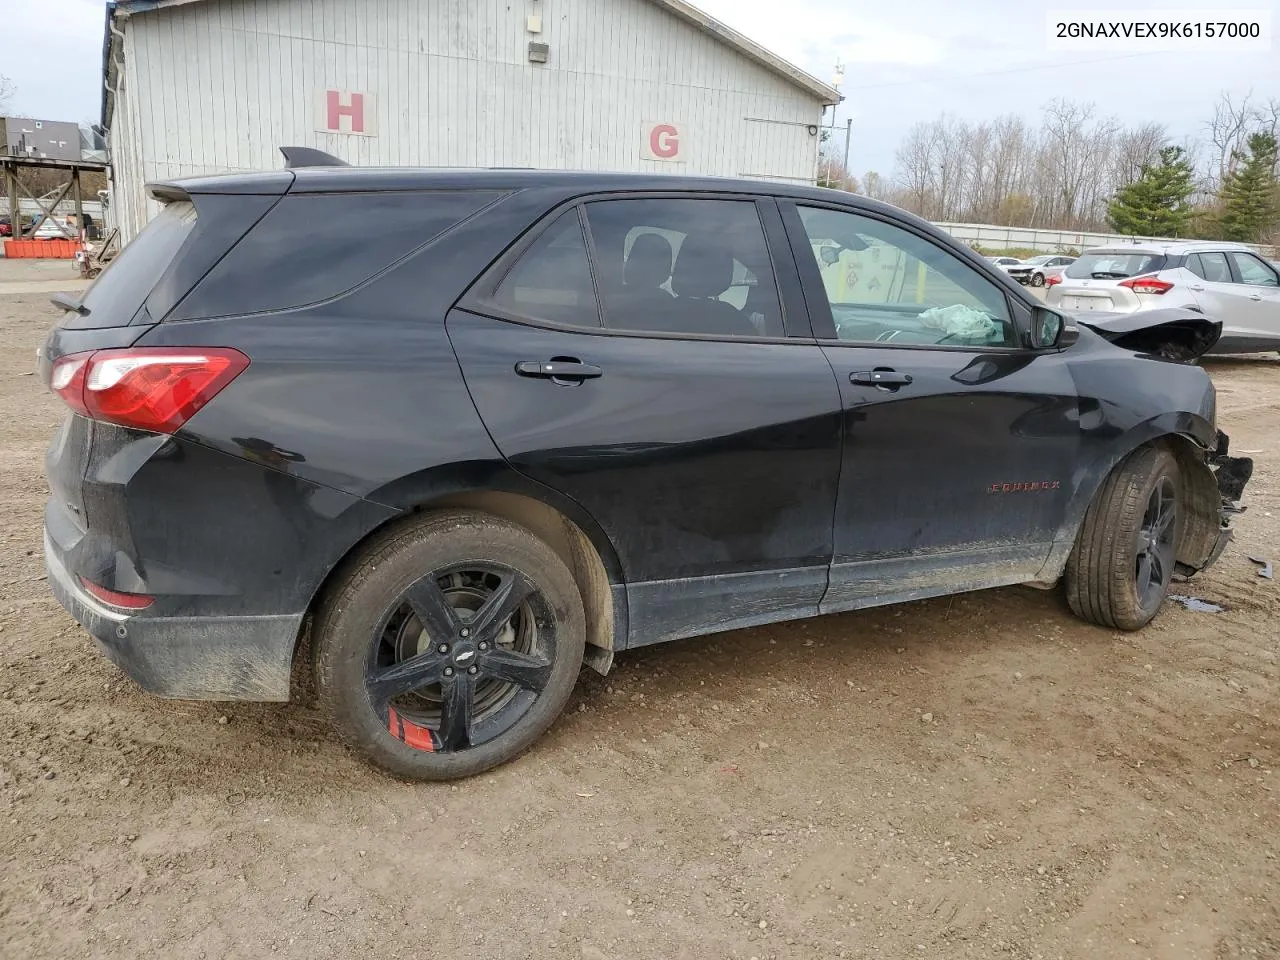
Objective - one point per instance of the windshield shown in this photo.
(1114, 265)
(1039, 260)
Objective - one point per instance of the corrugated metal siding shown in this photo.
(220, 85)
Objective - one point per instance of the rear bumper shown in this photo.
(185, 658)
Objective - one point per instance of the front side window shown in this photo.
(552, 279)
(888, 285)
(1254, 271)
(675, 265)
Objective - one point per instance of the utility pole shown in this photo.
(848, 132)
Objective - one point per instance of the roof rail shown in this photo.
(309, 157)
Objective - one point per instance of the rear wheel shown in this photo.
(1123, 560)
(1037, 279)
(449, 646)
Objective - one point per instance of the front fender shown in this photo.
(1194, 441)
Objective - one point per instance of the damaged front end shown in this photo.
(1176, 334)
(1213, 483)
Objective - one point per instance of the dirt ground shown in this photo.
(972, 777)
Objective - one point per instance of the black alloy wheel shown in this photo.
(1155, 549)
(1127, 547)
(448, 644)
(461, 656)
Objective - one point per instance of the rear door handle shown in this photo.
(1197, 288)
(1255, 296)
(880, 378)
(562, 368)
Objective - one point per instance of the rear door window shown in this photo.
(1115, 265)
(1213, 267)
(114, 298)
(684, 265)
(552, 279)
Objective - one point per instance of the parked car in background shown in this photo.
(6, 227)
(49, 228)
(656, 407)
(1224, 281)
(1033, 271)
(1004, 262)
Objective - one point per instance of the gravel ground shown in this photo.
(971, 777)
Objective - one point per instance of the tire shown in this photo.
(1037, 279)
(1136, 514)
(483, 681)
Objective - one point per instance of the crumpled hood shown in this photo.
(1173, 333)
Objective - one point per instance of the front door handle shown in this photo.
(561, 369)
(1197, 288)
(889, 379)
(1255, 296)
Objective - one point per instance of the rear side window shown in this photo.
(677, 265)
(1115, 265)
(312, 247)
(552, 280)
(115, 296)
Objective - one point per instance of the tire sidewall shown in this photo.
(1164, 465)
(346, 634)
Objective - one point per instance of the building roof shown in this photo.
(687, 12)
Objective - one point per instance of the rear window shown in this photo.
(1115, 265)
(312, 247)
(115, 296)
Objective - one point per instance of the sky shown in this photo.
(904, 61)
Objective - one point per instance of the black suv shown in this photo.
(472, 429)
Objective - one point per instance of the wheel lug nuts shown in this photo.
(483, 645)
(443, 648)
(448, 671)
(466, 632)
(473, 670)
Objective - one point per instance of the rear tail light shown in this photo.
(125, 601)
(147, 388)
(1147, 285)
(1052, 280)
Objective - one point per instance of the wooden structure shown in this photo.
(15, 187)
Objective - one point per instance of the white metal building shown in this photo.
(199, 86)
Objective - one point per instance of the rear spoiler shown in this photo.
(271, 183)
(295, 157)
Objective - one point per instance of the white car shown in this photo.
(1035, 270)
(1004, 262)
(1224, 281)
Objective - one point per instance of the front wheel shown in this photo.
(1123, 560)
(449, 645)
(1037, 279)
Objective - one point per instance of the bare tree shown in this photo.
(1232, 124)
(7, 90)
(874, 186)
(915, 161)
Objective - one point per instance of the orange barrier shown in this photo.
(41, 249)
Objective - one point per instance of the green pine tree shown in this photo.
(1157, 203)
(1250, 196)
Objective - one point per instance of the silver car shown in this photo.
(1035, 270)
(1224, 281)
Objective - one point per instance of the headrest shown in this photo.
(649, 264)
(703, 269)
